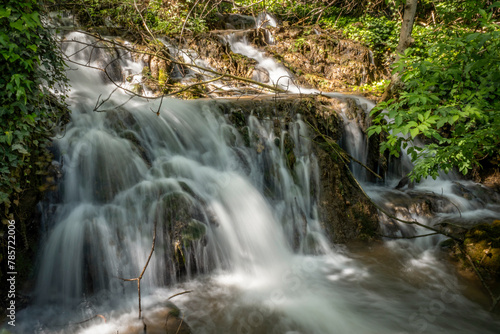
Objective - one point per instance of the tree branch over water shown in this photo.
(212, 75)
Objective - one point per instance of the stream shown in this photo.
(246, 224)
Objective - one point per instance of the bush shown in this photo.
(32, 70)
(450, 100)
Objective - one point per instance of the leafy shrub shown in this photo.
(451, 100)
(31, 67)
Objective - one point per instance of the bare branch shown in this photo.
(186, 19)
(138, 279)
(411, 237)
(143, 21)
(180, 293)
(204, 70)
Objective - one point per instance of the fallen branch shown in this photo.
(412, 237)
(180, 293)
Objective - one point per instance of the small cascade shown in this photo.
(276, 74)
(120, 68)
(446, 200)
(182, 73)
(263, 21)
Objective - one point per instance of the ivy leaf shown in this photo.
(5, 12)
(21, 149)
(8, 134)
(17, 25)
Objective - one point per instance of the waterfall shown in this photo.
(126, 168)
(236, 223)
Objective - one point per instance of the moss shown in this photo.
(482, 243)
(162, 76)
(194, 230)
(288, 146)
(173, 310)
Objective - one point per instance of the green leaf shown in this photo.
(414, 132)
(21, 149)
(17, 25)
(427, 114)
(9, 137)
(5, 12)
(398, 120)
(441, 122)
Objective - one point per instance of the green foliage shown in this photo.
(168, 17)
(161, 16)
(104, 12)
(292, 11)
(381, 34)
(463, 12)
(378, 33)
(376, 87)
(451, 100)
(30, 67)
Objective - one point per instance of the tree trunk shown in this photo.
(405, 41)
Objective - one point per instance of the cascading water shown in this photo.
(228, 207)
(276, 74)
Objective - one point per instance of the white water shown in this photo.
(247, 276)
(278, 75)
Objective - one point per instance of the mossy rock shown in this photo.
(482, 243)
(194, 230)
(288, 146)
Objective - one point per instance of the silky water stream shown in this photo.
(262, 263)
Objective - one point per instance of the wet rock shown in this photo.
(288, 146)
(343, 222)
(323, 59)
(194, 230)
(234, 21)
(482, 244)
(157, 66)
(164, 319)
(405, 181)
(106, 57)
(217, 53)
(476, 192)
(174, 322)
(261, 75)
(181, 213)
(344, 211)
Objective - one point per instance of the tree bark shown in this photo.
(405, 41)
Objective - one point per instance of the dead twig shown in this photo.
(412, 237)
(180, 293)
(139, 278)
